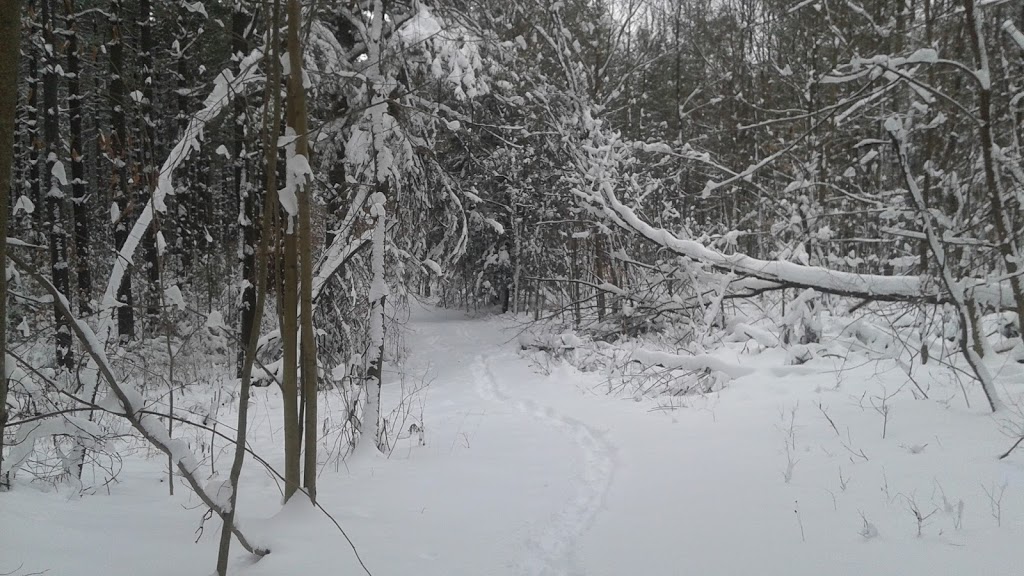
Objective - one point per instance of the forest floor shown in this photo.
(527, 471)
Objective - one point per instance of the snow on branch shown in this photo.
(340, 251)
(131, 405)
(868, 286)
(697, 362)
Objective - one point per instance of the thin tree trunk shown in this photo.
(369, 432)
(35, 142)
(307, 339)
(240, 21)
(53, 179)
(970, 334)
(78, 182)
(147, 156)
(601, 266)
(289, 322)
(187, 229)
(1000, 212)
(119, 159)
(271, 123)
(10, 36)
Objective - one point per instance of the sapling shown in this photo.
(995, 501)
(919, 516)
(799, 520)
(790, 442)
(881, 405)
(955, 511)
(867, 530)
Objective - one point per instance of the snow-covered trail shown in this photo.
(531, 472)
(509, 484)
(599, 485)
(553, 549)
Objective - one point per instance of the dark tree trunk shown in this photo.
(240, 23)
(147, 156)
(185, 232)
(119, 160)
(10, 34)
(35, 143)
(78, 182)
(52, 177)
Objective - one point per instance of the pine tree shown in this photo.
(119, 158)
(54, 179)
(80, 199)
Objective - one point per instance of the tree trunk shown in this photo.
(10, 36)
(35, 143)
(78, 182)
(289, 338)
(369, 430)
(1008, 248)
(186, 227)
(147, 157)
(53, 180)
(297, 91)
(271, 122)
(246, 194)
(119, 159)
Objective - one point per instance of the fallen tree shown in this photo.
(132, 408)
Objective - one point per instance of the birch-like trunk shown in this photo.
(369, 431)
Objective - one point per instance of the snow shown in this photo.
(420, 27)
(824, 279)
(215, 321)
(59, 173)
(195, 7)
(24, 204)
(174, 297)
(1014, 33)
(433, 267)
(495, 225)
(540, 472)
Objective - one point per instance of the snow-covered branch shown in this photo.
(132, 406)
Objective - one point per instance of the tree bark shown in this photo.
(10, 37)
(119, 159)
(240, 21)
(290, 315)
(1008, 248)
(186, 229)
(35, 174)
(147, 157)
(271, 123)
(52, 176)
(307, 338)
(78, 182)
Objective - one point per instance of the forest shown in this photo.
(364, 254)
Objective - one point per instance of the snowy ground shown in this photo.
(531, 474)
